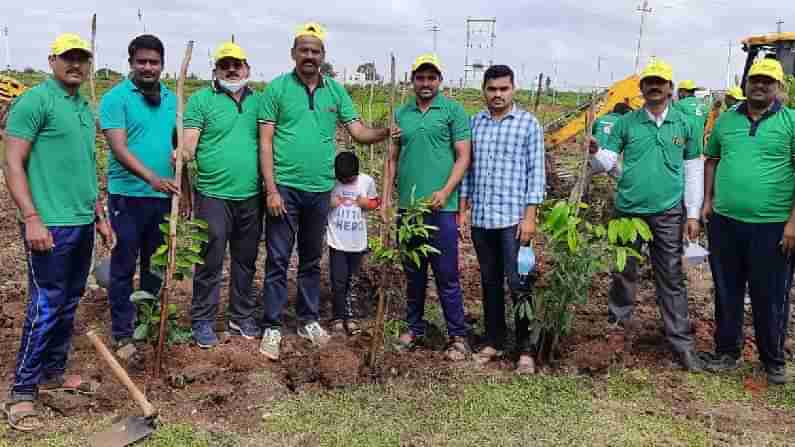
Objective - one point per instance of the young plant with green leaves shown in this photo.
(147, 327)
(191, 238)
(577, 250)
(413, 237)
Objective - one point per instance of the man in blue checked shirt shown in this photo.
(504, 185)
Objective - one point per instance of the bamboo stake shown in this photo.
(172, 232)
(584, 178)
(378, 332)
(538, 92)
(91, 81)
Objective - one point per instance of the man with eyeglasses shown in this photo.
(221, 134)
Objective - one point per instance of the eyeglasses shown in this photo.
(227, 64)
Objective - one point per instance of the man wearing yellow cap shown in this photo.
(691, 106)
(51, 173)
(221, 134)
(733, 97)
(662, 166)
(298, 122)
(749, 185)
(138, 117)
(430, 161)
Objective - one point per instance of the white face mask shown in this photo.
(233, 86)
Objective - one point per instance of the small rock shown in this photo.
(126, 352)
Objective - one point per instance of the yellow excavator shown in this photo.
(10, 88)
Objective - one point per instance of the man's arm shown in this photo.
(189, 143)
(463, 151)
(117, 138)
(37, 235)
(366, 135)
(274, 202)
(536, 183)
(710, 166)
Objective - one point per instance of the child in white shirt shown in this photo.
(353, 195)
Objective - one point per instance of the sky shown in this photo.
(580, 44)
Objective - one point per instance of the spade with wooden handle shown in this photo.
(132, 428)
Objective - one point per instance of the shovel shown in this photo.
(132, 428)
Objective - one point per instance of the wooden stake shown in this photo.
(172, 232)
(91, 81)
(378, 331)
(584, 178)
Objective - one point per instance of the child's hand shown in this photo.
(336, 201)
(363, 202)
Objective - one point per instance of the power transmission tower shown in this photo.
(481, 35)
(643, 10)
(433, 26)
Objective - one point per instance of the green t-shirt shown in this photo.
(149, 136)
(227, 155)
(62, 167)
(696, 110)
(754, 181)
(603, 126)
(653, 178)
(427, 151)
(305, 123)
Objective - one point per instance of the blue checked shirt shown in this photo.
(507, 171)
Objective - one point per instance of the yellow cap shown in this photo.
(687, 84)
(767, 67)
(657, 69)
(68, 41)
(229, 49)
(736, 93)
(311, 29)
(429, 59)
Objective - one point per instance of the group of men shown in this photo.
(272, 153)
(743, 192)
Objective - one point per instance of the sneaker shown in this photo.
(526, 366)
(315, 333)
(486, 354)
(690, 361)
(204, 335)
(271, 342)
(247, 329)
(719, 363)
(777, 375)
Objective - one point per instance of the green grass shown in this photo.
(717, 388)
(630, 385)
(535, 411)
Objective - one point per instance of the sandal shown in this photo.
(67, 384)
(352, 327)
(526, 365)
(17, 418)
(486, 354)
(457, 349)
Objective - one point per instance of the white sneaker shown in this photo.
(314, 333)
(271, 341)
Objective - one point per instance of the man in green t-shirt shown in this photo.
(297, 129)
(662, 166)
(430, 161)
(749, 186)
(221, 134)
(138, 116)
(51, 173)
(692, 106)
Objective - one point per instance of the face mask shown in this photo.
(232, 86)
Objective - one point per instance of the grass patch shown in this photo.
(630, 385)
(719, 387)
(542, 410)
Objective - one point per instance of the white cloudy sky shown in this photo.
(566, 36)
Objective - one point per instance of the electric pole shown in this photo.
(779, 22)
(141, 19)
(8, 51)
(643, 10)
(728, 67)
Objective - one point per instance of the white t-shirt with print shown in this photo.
(347, 223)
